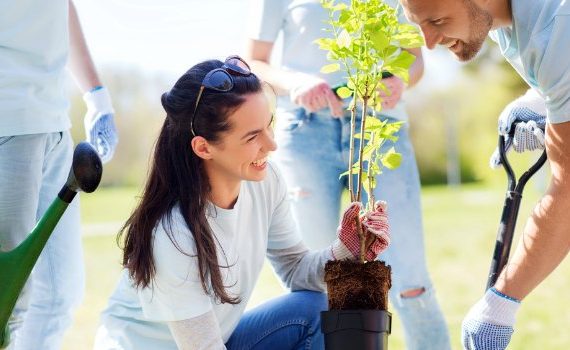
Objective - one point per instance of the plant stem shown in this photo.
(351, 149)
(362, 239)
(371, 200)
(361, 146)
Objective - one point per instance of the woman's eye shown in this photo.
(252, 138)
(437, 22)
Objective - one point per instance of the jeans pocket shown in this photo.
(292, 121)
(5, 139)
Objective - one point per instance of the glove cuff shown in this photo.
(340, 252)
(497, 308)
(99, 100)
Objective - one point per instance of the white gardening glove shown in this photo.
(100, 128)
(375, 223)
(489, 323)
(530, 111)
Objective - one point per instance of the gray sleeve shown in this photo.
(300, 268)
(265, 19)
(197, 333)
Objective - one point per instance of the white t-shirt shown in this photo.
(302, 22)
(260, 220)
(537, 45)
(34, 43)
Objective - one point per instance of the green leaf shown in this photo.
(380, 40)
(366, 136)
(367, 151)
(344, 92)
(339, 7)
(330, 68)
(355, 170)
(391, 159)
(373, 122)
(344, 39)
(403, 60)
(327, 4)
(324, 43)
(344, 16)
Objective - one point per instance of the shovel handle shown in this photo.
(510, 212)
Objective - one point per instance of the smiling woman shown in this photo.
(213, 208)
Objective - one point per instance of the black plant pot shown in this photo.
(356, 329)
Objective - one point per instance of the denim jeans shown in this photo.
(289, 322)
(313, 149)
(33, 168)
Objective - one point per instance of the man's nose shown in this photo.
(431, 36)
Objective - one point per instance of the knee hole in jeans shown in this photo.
(412, 293)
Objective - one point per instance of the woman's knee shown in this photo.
(310, 303)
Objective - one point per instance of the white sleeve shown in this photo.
(283, 231)
(176, 291)
(198, 333)
(300, 268)
(266, 19)
(553, 74)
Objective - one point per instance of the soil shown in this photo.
(356, 286)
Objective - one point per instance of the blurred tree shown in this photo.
(138, 115)
(476, 97)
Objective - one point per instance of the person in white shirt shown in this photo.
(213, 208)
(38, 39)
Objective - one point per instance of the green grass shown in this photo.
(460, 228)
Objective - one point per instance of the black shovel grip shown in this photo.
(510, 211)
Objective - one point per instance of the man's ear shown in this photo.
(201, 147)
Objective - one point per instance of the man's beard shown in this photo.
(481, 22)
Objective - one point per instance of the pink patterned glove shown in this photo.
(375, 223)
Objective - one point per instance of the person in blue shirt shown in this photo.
(534, 37)
(36, 39)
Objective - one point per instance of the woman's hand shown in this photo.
(375, 226)
(395, 87)
(314, 94)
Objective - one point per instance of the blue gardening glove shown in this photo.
(530, 111)
(100, 128)
(489, 323)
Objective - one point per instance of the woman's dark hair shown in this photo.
(177, 177)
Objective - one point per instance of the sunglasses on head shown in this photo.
(220, 79)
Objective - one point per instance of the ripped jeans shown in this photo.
(313, 149)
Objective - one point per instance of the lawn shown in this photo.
(460, 225)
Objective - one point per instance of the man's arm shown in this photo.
(546, 236)
(417, 68)
(80, 62)
(396, 86)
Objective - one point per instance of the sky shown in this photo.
(166, 35)
(172, 35)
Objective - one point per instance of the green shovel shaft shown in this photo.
(17, 264)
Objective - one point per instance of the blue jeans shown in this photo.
(288, 322)
(313, 149)
(33, 168)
